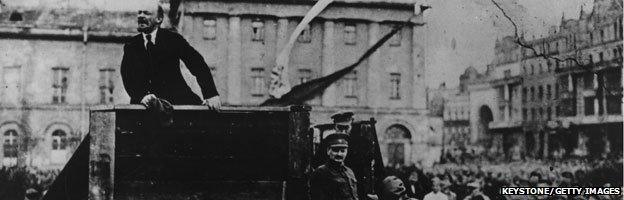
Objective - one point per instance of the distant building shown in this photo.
(560, 97)
(55, 64)
(60, 62)
(589, 114)
(437, 98)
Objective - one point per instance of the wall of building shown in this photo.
(232, 54)
(327, 51)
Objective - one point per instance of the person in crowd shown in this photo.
(446, 189)
(394, 189)
(333, 180)
(343, 121)
(476, 194)
(436, 193)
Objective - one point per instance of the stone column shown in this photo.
(418, 64)
(328, 64)
(282, 34)
(234, 82)
(375, 74)
(506, 92)
(506, 113)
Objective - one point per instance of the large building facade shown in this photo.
(60, 62)
(240, 40)
(55, 64)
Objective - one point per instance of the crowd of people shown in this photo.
(482, 179)
(22, 182)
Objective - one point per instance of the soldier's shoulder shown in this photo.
(321, 168)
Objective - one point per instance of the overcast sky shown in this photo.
(476, 24)
(473, 24)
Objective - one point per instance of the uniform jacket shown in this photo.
(160, 73)
(333, 182)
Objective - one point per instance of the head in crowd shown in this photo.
(446, 186)
(343, 121)
(149, 16)
(393, 188)
(535, 177)
(475, 187)
(337, 145)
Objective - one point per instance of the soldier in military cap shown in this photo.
(333, 180)
(343, 121)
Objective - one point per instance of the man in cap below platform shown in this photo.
(343, 121)
(333, 180)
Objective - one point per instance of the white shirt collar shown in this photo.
(153, 34)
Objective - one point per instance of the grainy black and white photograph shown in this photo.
(311, 100)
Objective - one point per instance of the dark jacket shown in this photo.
(160, 73)
(333, 182)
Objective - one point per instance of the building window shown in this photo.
(600, 57)
(349, 34)
(306, 35)
(556, 96)
(549, 113)
(395, 86)
(532, 93)
(210, 29)
(533, 113)
(398, 138)
(613, 90)
(541, 114)
(589, 105)
(591, 38)
(501, 113)
(395, 40)
(60, 84)
(258, 83)
(350, 85)
(548, 92)
(257, 27)
(524, 94)
(16, 16)
(532, 69)
(540, 93)
(524, 114)
(10, 144)
(614, 104)
(305, 75)
(588, 80)
(59, 140)
(547, 48)
(548, 66)
(507, 73)
(10, 85)
(106, 85)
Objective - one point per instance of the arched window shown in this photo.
(10, 143)
(59, 140)
(398, 138)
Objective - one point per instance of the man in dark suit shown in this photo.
(150, 68)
